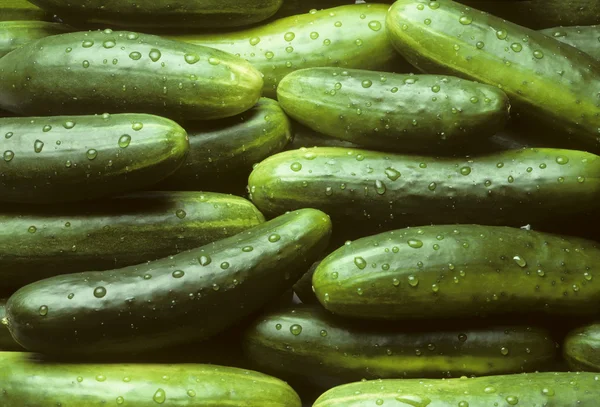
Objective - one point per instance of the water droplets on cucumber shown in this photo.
(159, 396)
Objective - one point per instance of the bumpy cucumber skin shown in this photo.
(336, 348)
(43, 241)
(7, 343)
(512, 187)
(412, 113)
(170, 301)
(75, 158)
(19, 10)
(106, 71)
(584, 38)
(14, 34)
(581, 349)
(460, 270)
(140, 385)
(548, 83)
(351, 36)
(528, 389)
(222, 152)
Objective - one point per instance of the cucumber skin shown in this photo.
(552, 389)
(20, 10)
(581, 348)
(460, 271)
(222, 152)
(14, 34)
(584, 38)
(166, 310)
(336, 348)
(7, 343)
(119, 232)
(374, 53)
(80, 157)
(343, 183)
(33, 81)
(361, 107)
(95, 385)
(567, 103)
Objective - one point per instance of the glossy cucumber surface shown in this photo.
(7, 343)
(14, 34)
(581, 348)
(19, 10)
(584, 38)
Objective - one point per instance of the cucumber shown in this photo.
(303, 287)
(159, 14)
(74, 158)
(351, 36)
(460, 271)
(414, 113)
(582, 348)
(585, 38)
(222, 152)
(140, 385)
(512, 187)
(549, 389)
(42, 241)
(14, 10)
(550, 84)
(187, 297)
(7, 343)
(306, 137)
(307, 340)
(14, 34)
(294, 7)
(106, 71)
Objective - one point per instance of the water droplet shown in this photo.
(380, 187)
(43, 310)
(160, 396)
(69, 124)
(191, 393)
(480, 44)
(154, 55)
(465, 20)
(180, 213)
(512, 400)
(504, 351)
(515, 46)
(124, 140)
(70, 296)
(101, 378)
(8, 156)
(91, 154)
(135, 55)
(314, 35)
(137, 126)
(178, 274)
(520, 261)
(392, 174)
(87, 44)
(274, 238)
(465, 171)
(338, 24)
(538, 54)
(99, 292)
(46, 128)
(367, 83)
(548, 392)
(204, 260)
(360, 263)
(224, 265)
(247, 249)
(296, 329)
(463, 404)
(269, 55)
(462, 337)
(32, 229)
(191, 58)
(415, 244)
(587, 276)
(413, 281)
(120, 400)
(379, 402)
(501, 34)
(8, 135)
(296, 167)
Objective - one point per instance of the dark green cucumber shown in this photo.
(159, 14)
(560, 389)
(190, 296)
(303, 287)
(511, 187)
(14, 34)
(378, 110)
(549, 83)
(18, 10)
(222, 152)
(351, 36)
(308, 341)
(584, 38)
(74, 158)
(582, 348)
(106, 71)
(42, 241)
(140, 385)
(7, 343)
(460, 270)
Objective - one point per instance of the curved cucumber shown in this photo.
(74, 158)
(351, 36)
(582, 348)
(378, 110)
(19, 10)
(126, 72)
(460, 270)
(584, 38)
(140, 385)
(511, 187)
(7, 343)
(43, 241)
(14, 34)
(222, 152)
(548, 83)
(178, 299)
(307, 341)
(529, 389)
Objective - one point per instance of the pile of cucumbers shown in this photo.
(288, 203)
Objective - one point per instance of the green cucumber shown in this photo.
(351, 36)
(187, 297)
(582, 348)
(7, 343)
(74, 158)
(460, 271)
(14, 34)
(17, 10)
(42, 241)
(549, 83)
(413, 113)
(308, 341)
(584, 38)
(106, 71)
(303, 287)
(140, 385)
(222, 152)
(295, 7)
(512, 187)
(550, 389)
(156, 14)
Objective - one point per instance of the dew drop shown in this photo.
(465, 20)
(413, 281)
(296, 167)
(274, 238)
(375, 25)
(367, 83)
(178, 274)
(99, 292)
(296, 329)
(415, 244)
(91, 154)
(180, 213)
(204, 260)
(43, 310)
(135, 55)
(160, 396)
(124, 140)
(191, 58)
(360, 263)
(520, 261)
(154, 55)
